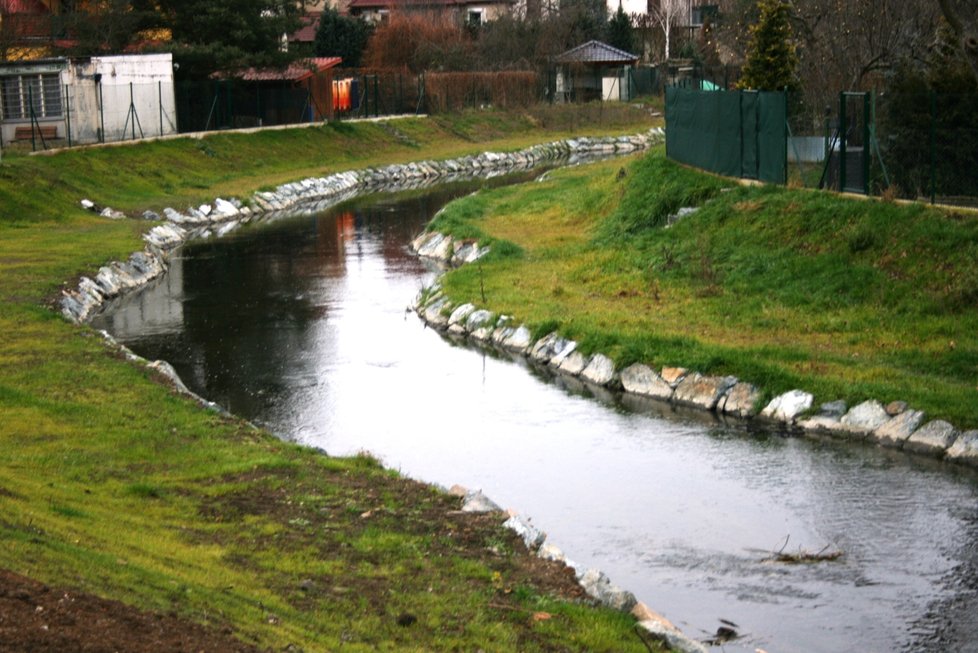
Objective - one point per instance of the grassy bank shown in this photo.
(111, 484)
(783, 288)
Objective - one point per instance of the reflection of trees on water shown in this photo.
(244, 319)
(252, 302)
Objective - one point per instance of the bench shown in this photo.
(26, 132)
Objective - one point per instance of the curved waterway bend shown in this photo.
(300, 325)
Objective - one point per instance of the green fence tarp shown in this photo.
(772, 138)
(732, 133)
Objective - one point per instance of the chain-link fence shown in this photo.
(84, 112)
(921, 146)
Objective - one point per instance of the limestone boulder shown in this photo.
(561, 354)
(574, 363)
(894, 408)
(599, 587)
(544, 349)
(787, 407)
(478, 502)
(673, 375)
(865, 418)
(600, 370)
(817, 423)
(502, 331)
(896, 431)
(702, 391)
(663, 630)
(835, 409)
(643, 380)
(460, 314)
(426, 244)
(934, 437)
(965, 449)
(519, 340)
(434, 313)
(740, 401)
(532, 536)
(480, 320)
(551, 552)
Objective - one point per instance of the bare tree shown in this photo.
(665, 14)
(962, 15)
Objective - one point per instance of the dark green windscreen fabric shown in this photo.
(772, 137)
(732, 133)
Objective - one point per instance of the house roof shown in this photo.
(306, 33)
(32, 7)
(296, 72)
(597, 52)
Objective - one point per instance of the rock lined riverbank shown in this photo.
(311, 196)
(892, 425)
(314, 195)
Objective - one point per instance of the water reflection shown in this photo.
(300, 325)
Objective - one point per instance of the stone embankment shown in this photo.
(891, 425)
(311, 196)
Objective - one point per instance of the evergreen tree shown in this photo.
(228, 34)
(772, 60)
(620, 31)
(342, 36)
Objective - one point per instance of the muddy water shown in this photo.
(301, 326)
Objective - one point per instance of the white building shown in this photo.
(88, 100)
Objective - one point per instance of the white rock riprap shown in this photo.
(787, 407)
(642, 380)
(312, 195)
(894, 424)
(594, 582)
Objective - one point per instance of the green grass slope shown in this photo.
(112, 484)
(784, 288)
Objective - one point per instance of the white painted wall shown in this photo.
(151, 79)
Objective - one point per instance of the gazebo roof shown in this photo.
(597, 52)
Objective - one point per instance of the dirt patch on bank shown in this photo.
(37, 618)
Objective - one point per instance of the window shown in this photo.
(704, 13)
(475, 17)
(18, 92)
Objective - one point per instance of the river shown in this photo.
(301, 326)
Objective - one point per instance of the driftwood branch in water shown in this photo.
(803, 556)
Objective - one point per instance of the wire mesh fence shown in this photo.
(87, 111)
(921, 146)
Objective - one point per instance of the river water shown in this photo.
(300, 325)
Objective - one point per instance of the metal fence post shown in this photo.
(30, 106)
(866, 143)
(843, 129)
(101, 111)
(787, 133)
(160, 95)
(68, 115)
(933, 147)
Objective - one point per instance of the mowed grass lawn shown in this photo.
(846, 298)
(112, 484)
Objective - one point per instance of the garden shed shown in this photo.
(594, 71)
